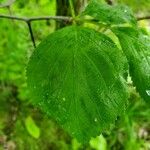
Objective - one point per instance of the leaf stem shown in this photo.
(72, 10)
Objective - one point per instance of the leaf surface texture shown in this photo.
(75, 76)
(114, 15)
(136, 47)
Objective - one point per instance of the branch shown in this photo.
(25, 19)
(58, 18)
(31, 34)
(143, 18)
(30, 19)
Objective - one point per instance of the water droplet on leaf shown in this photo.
(148, 92)
(95, 119)
(64, 99)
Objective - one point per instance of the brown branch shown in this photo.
(25, 19)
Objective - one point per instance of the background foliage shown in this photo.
(22, 126)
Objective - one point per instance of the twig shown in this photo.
(59, 18)
(30, 19)
(31, 34)
(25, 19)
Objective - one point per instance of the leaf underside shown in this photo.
(136, 46)
(114, 15)
(75, 76)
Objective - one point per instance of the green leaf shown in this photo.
(136, 47)
(75, 76)
(32, 128)
(112, 15)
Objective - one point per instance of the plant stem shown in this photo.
(72, 10)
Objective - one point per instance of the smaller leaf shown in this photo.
(136, 47)
(104, 13)
(32, 128)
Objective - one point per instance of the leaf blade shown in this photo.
(111, 15)
(74, 78)
(136, 46)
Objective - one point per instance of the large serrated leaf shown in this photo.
(116, 14)
(136, 46)
(75, 76)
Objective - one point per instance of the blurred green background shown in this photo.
(22, 126)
